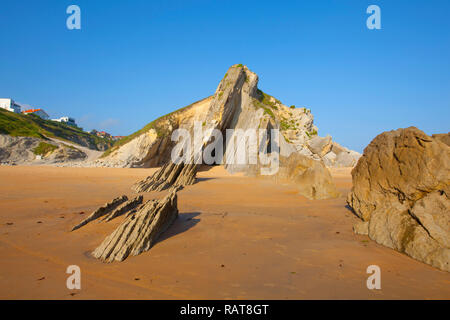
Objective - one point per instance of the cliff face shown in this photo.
(236, 104)
(29, 150)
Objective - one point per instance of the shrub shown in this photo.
(43, 148)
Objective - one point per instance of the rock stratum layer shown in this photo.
(401, 189)
(139, 231)
(170, 175)
(117, 207)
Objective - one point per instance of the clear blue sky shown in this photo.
(133, 61)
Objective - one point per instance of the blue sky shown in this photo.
(133, 61)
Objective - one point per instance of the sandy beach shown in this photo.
(235, 238)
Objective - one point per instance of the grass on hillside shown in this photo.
(157, 125)
(19, 125)
(43, 148)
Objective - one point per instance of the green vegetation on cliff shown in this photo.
(159, 125)
(267, 103)
(19, 125)
(44, 148)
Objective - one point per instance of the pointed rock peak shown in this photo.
(238, 77)
(238, 65)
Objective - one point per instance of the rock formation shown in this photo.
(17, 149)
(21, 150)
(333, 154)
(222, 109)
(320, 146)
(125, 207)
(170, 175)
(232, 95)
(236, 104)
(401, 190)
(311, 177)
(100, 212)
(65, 153)
(139, 231)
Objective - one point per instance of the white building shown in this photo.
(39, 112)
(66, 120)
(10, 105)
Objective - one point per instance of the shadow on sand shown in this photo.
(203, 179)
(184, 222)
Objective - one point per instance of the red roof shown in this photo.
(31, 110)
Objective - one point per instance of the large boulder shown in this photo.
(347, 158)
(340, 156)
(320, 145)
(311, 177)
(401, 189)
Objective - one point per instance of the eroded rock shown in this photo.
(139, 232)
(320, 145)
(107, 208)
(124, 208)
(401, 188)
(311, 177)
(236, 104)
(222, 109)
(170, 175)
(66, 153)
